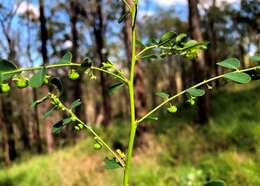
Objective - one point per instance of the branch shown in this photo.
(72, 115)
(185, 91)
(123, 79)
(166, 48)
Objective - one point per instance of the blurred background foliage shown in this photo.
(217, 138)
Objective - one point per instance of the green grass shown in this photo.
(174, 153)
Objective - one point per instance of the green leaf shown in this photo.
(190, 43)
(123, 17)
(114, 88)
(56, 128)
(180, 37)
(152, 41)
(258, 67)
(232, 63)
(66, 121)
(196, 92)
(6, 66)
(48, 113)
(162, 95)
(37, 79)
(216, 183)
(75, 104)
(255, 58)
(239, 77)
(172, 109)
(166, 37)
(155, 118)
(66, 59)
(111, 163)
(149, 57)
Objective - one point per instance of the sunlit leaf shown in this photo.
(166, 37)
(239, 77)
(66, 59)
(37, 79)
(180, 37)
(232, 63)
(196, 92)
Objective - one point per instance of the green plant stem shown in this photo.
(100, 140)
(185, 91)
(123, 79)
(133, 124)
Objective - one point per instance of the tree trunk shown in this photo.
(99, 33)
(45, 59)
(200, 68)
(78, 85)
(5, 145)
(8, 122)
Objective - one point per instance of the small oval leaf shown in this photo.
(166, 37)
(66, 59)
(232, 63)
(239, 77)
(37, 79)
(111, 163)
(162, 95)
(196, 92)
(56, 128)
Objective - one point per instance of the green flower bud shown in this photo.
(73, 74)
(97, 146)
(46, 79)
(172, 109)
(73, 118)
(22, 82)
(5, 87)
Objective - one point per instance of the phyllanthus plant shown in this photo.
(169, 43)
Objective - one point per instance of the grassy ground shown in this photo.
(175, 152)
